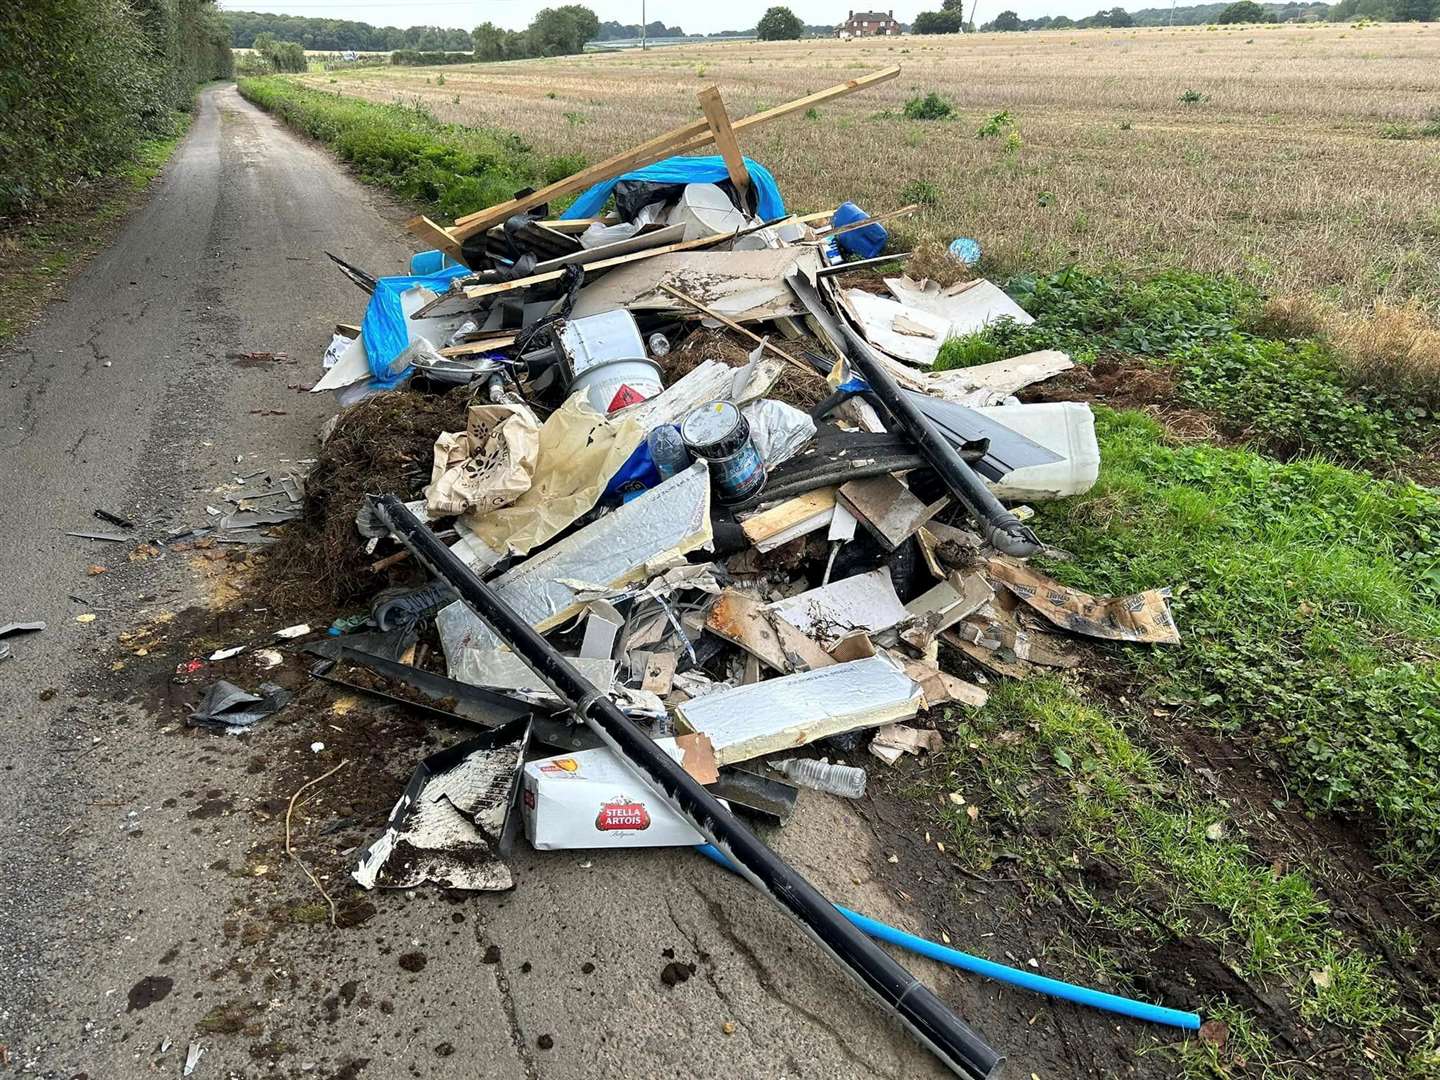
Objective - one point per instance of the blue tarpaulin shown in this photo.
(686, 170)
(384, 326)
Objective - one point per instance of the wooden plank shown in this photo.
(779, 519)
(431, 233)
(471, 348)
(475, 292)
(677, 141)
(714, 108)
(888, 508)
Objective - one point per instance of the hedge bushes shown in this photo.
(83, 81)
(450, 169)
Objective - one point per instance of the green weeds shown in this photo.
(930, 107)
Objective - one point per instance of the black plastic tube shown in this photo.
(1002, 528)
(927, 1017)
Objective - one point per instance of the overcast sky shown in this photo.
(693, 18)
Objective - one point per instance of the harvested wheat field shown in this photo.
(1305, 158)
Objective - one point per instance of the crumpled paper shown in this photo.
(579, 451)
(488, 465)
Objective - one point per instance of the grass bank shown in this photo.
(445, 169)
(39, 251)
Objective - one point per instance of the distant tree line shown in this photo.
(1223, 13)
(341, 35)
(610, 30)
(83, 81)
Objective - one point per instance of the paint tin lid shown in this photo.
(715, 429)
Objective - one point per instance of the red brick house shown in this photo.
(869, 24)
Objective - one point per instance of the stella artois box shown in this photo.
(590, 799)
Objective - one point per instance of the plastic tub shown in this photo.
(865, 242)
(705, 210)
(1065, 427)
(613, 384)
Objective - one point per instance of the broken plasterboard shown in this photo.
(746, 286)
(942, 606)
(968, 306)
(905, 333)
(764, 634)
(794, 710)
(863, 602)
(448, 824)
(635, 541)
(887, 508)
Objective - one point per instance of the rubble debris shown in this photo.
(794, 710)
(943, 606)
(1144, 617)
(764, 633)
(828, 614)
(967, 307)
(235, 711)
(448, 825)
(894, 741)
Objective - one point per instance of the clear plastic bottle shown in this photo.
(668, 451)
(844, 780)
(659, 345)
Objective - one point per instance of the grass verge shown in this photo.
(445, 169)
(39, 252)
(1164, 885)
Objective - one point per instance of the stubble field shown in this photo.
(1304, 158)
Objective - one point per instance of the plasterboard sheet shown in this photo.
(906, 333)
(863, 602)
(798, 709)
(967, 307)
(639, 538)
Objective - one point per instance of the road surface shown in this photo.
(119, 897)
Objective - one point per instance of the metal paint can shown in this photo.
(717, 433)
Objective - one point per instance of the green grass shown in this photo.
(445, 169)
(1065, 785)
(1308, 597)
(38, 254)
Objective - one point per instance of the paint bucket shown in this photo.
(705, 210)
(611, 385)
(719, 435)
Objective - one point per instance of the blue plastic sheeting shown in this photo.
(686, 170)
(384, 327)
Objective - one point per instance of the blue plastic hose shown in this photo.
(1081, 995)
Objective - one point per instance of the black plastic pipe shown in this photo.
(1007, 533)
(928, 1018)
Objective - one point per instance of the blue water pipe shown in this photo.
(1081, 995)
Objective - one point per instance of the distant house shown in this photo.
(869, 24)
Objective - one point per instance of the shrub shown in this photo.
(931, 107)
(920, 191)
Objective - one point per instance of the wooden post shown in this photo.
(725, 141)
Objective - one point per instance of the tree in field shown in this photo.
(1416, 10)
(779, 24)
(1243, 11)
(1006, 21)
(1061, 22)
(946, 21)
(561, 31)
(494, 43)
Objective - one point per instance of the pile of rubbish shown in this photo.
(658, 594)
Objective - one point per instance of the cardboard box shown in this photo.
(590, 799)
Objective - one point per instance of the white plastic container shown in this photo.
(1065, 427)
(607, 360)
(705, 210)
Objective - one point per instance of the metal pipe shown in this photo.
(928, 1018)
(1002, 528)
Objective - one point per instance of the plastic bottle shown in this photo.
(668, 451)
(844, 780)
(659, 345)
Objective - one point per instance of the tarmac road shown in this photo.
(117, 883)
